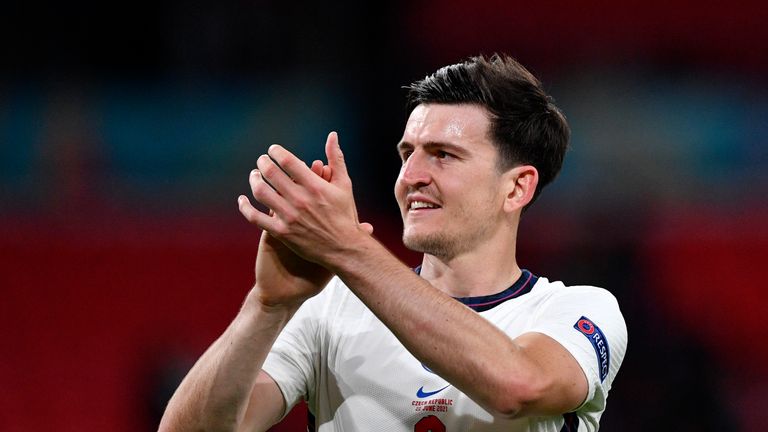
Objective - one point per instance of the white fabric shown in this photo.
(356, 376)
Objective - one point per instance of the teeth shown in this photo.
(421, 204)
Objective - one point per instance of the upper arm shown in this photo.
(577, 346)
(266, 405)
(559, 384)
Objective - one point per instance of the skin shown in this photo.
(449, 161)
(312, 232)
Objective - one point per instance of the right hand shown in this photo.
(283, 279)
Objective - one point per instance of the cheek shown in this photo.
(479, 194)
(400, 187)
(399, 190)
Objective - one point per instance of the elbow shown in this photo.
(175, 422)
(518, 399)
(202, 428)
(171, 421)
(167, 427)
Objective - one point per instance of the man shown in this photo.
(468, 341)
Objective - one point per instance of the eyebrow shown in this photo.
(431, 145)
(403, 145)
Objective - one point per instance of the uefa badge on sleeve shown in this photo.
(596, 337)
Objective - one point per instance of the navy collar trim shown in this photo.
(522, 286)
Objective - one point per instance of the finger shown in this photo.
(273, 174)
(252, 215)
(368, 228)
(317, 167)
(327, 173)
(324, 171)
(291, 165)
(336, 159)
(267, 195)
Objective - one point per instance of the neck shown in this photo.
(489, 269)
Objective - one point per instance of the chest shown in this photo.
(370, 371)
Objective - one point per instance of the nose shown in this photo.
(415, 171)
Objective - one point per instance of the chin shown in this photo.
(412, 240)
(432, 244)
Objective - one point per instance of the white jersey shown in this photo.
(357, 376)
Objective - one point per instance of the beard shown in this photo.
(468, 225)
(434, 244)
(445, 246)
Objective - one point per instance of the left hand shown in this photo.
(314, 215)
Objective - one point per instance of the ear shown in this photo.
(521, 185)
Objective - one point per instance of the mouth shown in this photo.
(419, 206)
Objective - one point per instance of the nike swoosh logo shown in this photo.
(421, 394)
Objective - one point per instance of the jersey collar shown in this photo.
(522, 286)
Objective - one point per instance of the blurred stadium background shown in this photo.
(128, 129)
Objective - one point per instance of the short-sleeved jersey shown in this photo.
(357, 376)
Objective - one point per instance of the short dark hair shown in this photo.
(526, 127)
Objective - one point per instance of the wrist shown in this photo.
(258, 321)
(352, 254)
(259, 304)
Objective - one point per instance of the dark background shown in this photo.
(127, 130)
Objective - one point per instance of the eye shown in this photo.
(442, 154)
(405, 155)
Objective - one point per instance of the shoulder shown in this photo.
(334, 301)
(576, 295)
(587, 321)
(334, 291)
(569, 307)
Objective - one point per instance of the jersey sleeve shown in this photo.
(293, 361)
(588, 323)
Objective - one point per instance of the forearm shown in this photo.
(454, 341)
(215, 393)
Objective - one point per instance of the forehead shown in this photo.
(458, 124)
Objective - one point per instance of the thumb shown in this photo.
(368, 228)
(336, 159)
